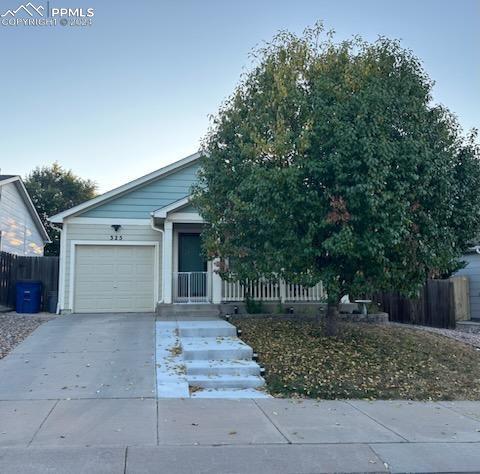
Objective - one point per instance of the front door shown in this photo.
(192, 269)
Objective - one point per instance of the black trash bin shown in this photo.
(52, 301)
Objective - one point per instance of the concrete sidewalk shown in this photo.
(78, 396)
(237, 436)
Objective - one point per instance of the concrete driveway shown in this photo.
(83, 356)
(78, 396)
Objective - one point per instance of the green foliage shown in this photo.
(253, 306)
(373, 308)
(54, 189)
(330, 162)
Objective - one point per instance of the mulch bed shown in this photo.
(14, 328)
(363, 361)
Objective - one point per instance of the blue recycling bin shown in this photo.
(28, 296)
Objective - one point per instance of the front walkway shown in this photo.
(204, 358)
(78, 396)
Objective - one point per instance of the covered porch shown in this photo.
(189, 278)
(186, 275)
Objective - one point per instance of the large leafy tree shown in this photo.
(54, 189)
(330, 162)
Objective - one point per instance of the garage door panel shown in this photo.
(139, 251)
(84, 305)
(139, 282)
(117, 278)
(125, 251)
(95, 273)
(128, 289)
(133, 304)
(143, 268)
(125, 271)
(123, 304)
(95, 256)
(93, 288)
(94, 269)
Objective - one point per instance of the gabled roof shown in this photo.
(17, 181)
(3, 177)
(174, 206)
(58, 218)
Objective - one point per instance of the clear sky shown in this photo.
(134, 91)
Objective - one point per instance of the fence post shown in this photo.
(216, 283)
(452, 317)
(283, 291)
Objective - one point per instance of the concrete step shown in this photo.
(220, 367)
(191, 307)
(225, 381)
(230, 393)
(215, 348)
(213, 328)
(185, 310)
(193, 316)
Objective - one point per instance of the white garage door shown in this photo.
(114, 278)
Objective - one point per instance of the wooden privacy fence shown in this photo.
(7, 263)
(434, 306)
(16, 267)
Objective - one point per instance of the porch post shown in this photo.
(216, 284)
(167, 261)
(283, 290)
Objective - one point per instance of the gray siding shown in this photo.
(472, 271)
(140, 202)
(102, 233)
(19, 234)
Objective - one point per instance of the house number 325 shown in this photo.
(116, 237)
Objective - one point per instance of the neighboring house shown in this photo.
(21, 230)
(138, 246)
(472, 271)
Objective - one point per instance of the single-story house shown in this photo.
(138, 246)
(21, 229)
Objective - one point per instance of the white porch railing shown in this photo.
(272, 291)
(191, 287)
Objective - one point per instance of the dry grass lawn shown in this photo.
(364, 361)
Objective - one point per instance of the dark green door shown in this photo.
(190, 258)
(192, 268)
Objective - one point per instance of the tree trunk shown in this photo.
(331, 319)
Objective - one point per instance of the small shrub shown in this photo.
(373, 308)
(252, 306)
